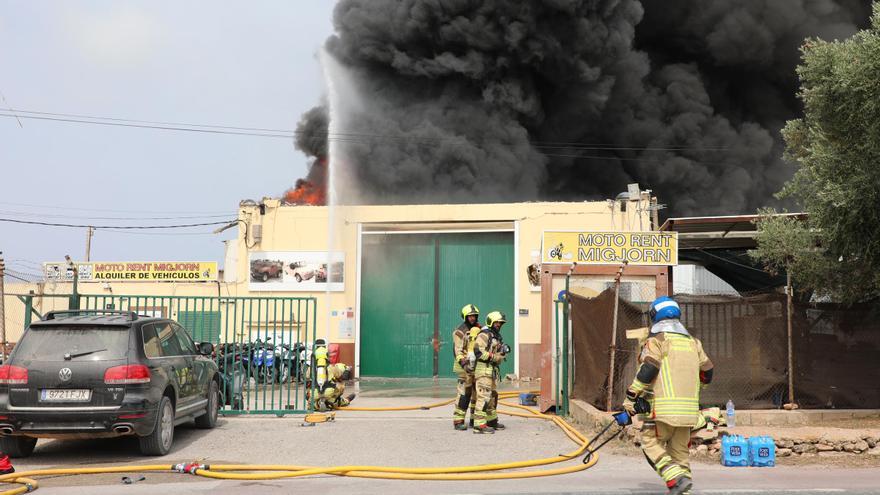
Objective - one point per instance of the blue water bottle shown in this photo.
(731, 414)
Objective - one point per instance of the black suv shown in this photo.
(93, 374)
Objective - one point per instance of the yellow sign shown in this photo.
(610, 248)
(136, 271)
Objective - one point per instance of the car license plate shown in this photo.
(65, 395)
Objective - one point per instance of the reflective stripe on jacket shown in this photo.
(677, 387)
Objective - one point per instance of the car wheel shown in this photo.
(159, 442)
(17, 446)
(209, 419)
(298, 277)
(264, 277)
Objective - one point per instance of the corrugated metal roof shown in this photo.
(720, 232)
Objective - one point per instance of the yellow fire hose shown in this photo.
(278, 471)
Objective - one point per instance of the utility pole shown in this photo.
(74, 298)
(89, 232)
(2, 309)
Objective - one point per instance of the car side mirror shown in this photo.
(205, 348)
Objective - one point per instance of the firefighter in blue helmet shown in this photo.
(672, 369)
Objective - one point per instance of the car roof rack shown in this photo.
(53, 315)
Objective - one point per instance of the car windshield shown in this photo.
(78, 343)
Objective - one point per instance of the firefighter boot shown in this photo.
(471, 422)
(484, 428)
(680, 486)
(495, 424)
(459, 425)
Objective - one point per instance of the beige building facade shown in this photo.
(340, 255)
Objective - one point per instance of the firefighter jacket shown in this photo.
(673, 365)
(334, 386)
(459, 347)
(486, 347)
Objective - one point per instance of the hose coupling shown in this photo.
(189, 468)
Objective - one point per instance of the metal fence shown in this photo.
(835, 349)
(262, 344)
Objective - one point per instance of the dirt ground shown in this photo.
(625, 447)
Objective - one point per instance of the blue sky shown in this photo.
(197, 62)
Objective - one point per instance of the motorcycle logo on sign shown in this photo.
(65, 374)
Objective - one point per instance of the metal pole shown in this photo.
(74, 298)
(89, 232)
(2, 309)
(566, 330)
(790, 346)
(613, 347)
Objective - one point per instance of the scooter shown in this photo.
(232, 373)
(263, 362)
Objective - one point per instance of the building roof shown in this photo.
(721, 232)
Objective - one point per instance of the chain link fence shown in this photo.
(834, 349)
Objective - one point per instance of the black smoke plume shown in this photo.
(493, 100)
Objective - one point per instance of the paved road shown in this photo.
(416, 438)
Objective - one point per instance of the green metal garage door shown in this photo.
(412, 289)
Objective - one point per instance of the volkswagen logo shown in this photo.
(65, 374)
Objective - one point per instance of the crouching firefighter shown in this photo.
(672, 369)
(463, 338)
(329, 395)
(490, 351)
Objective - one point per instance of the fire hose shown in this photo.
(279, 471)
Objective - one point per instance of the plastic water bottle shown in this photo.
(731, 414)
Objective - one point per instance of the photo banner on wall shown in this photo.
(296, 271)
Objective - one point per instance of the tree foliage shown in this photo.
(837, 148)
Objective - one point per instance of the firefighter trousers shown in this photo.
(666, 448)
(485, 409)
(466, 396)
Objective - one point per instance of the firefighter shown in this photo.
(329, 395)
(490, 351)
(672, 369)
(462, 345)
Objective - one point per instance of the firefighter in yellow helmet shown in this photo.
(672, 369)
(490, 351)
(329, 396)
(462, 346)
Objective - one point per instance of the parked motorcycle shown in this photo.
(232, 373)
(263, 361)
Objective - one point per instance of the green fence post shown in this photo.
(28, 309)
(557, 365)
(565, 350)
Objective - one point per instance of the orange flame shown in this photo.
(310, 192)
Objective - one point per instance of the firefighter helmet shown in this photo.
(469, 309)
(494, 316)
(664, 308)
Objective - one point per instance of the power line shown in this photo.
(336, 136)
(120, 227)
(53, 207)
(58, 215)
(129, 232)
(147, 126)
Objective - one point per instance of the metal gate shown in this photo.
(262, 344)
